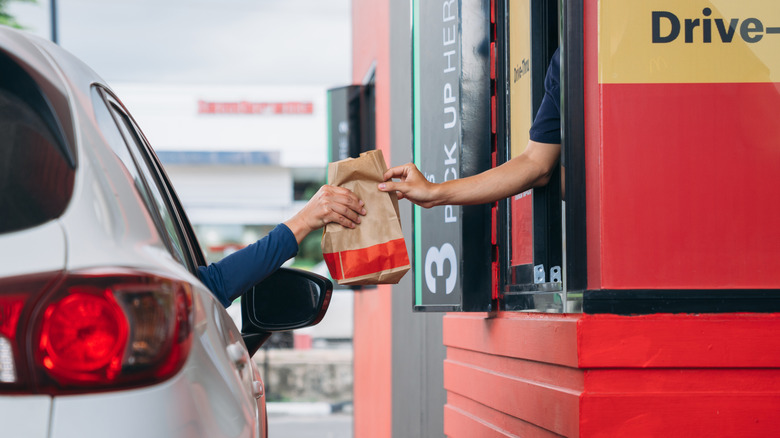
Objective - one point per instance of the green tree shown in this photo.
(6, 18)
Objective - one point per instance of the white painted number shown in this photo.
(438, 257)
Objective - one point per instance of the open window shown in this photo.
(532, 261)
(467, 118)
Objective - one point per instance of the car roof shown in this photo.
(62, 79)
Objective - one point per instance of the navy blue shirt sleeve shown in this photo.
(236, 273)
(547, 124)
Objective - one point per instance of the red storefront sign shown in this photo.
(257, 108)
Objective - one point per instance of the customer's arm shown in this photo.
(235, 274)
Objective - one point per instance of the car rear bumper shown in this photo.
(25, 416)
(176, 408)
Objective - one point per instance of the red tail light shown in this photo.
(98, 330)
(17, 298)
(10, 310)
(83, 336)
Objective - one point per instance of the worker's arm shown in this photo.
(530, 169)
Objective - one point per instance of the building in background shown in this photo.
(242, 158)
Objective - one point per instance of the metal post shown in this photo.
(54, 21)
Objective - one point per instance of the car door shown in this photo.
(183, 244)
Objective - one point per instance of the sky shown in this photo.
(226, 42)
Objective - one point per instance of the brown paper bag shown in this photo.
(374, 252)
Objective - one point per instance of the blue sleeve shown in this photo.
(547, 123)
(236, 273)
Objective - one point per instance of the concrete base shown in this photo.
(306, 375)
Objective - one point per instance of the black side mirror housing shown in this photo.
(288, 299)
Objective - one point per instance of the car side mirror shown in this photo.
(288, 299)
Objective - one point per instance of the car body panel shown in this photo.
(22, 246)
(17, 413)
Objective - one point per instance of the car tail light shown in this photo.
(10, 310)
(98, 330)
(17, 297)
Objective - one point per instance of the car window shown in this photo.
(136, 147)
(184, 224)
(36, 177)
(112, 134)
(126, 144)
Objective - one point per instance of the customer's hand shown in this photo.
(330, 204)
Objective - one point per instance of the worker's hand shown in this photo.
(329, 204)
(412, 185)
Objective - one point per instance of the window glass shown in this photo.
(520, 117)
(157, 193)
(116, 142)
(137, 167)
(531, 253)
(36, 181)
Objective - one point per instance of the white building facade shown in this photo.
(242, 158)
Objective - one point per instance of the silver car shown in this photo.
(105, 329)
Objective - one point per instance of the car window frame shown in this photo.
(189, 245)
(169, 225)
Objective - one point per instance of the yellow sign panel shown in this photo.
(673, 41)
(519, 74)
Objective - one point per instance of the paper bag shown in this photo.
(374, 252)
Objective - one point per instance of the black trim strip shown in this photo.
(643, 302)
(503, 147)
(547, 237)
(573, 123)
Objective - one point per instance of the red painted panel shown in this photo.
(690, 186)
(493, 66)
(592, 116)
(539, 372)
(679, 341)
(522, 229)
(653, 375)
(539, 337)
(636, 376)
(551, 407)
(493, 222)
(681, 402)
(729, 414)
(493, 114)
(458, 423)
(370, 20)
(459, 407)
(372, 340)
(372, 363)
(680, 380)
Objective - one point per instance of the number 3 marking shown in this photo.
(436, 256)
